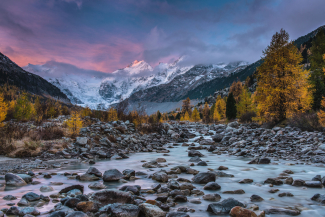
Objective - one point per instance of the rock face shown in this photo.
(112, 175)
(14, 180)
(105, 197)
(224, 207)
(150, 210)
(204, 178)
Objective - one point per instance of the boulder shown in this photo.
(31, 196)
(211, 197)
(128, 173)
(273, 181)
(27, 178)
(121, 210)
(238, 211)
(94, 171)
(202, 163)
(112, 175)
(314, 184)
(160, 176)
(77, 214)
(204, 178)
(135, 189)
(97, 185)
(224, 207)
(256, 198)
(14, 180)
(106, 196)
(212, 186)
(193, 153)
(81, 141)
(150, 210)
(282, 211)
(46, 188)
(217, 137)
(298, 182)
(87, 177)
(319, 198)
(69, 188)
(87, 206)
(29, 211)
(71, 202)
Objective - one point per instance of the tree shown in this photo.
(74, 123)
(216, 115)
(112, 114)
(86, 112)
(245, 103)
(38, 110)
(317, 77)
(195, 115)
(206, 113)
(3, 110)
(178, 116)
(236, 89)
(186, 117)
(158, 115)
(186, 107)
(282, 85)
(221, 107)
(231, 110)
(24, 109)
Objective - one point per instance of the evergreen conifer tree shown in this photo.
(231, 110)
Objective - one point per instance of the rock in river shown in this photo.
(14, 180)
(151, 210)
(112, 175)
(204, 178)
(224, 207)
(105, 197)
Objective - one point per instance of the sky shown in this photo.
(106, 35)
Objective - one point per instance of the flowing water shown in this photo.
(178, 156)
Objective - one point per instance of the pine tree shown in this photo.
(245, 103)
(186, 107)
(282, 88)
(221, 107)
(317, 77)
(158, 115)
(195, 115)
(216, 115)
(178, 116)
(74, 123)
(231, 110)
(3, 110)
(112, 114)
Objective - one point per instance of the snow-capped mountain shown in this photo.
(138, 81)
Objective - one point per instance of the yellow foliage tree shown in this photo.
(112, 114)
(221, 107)
(86, 112)
(245, 103)
(24, 109)
(3, 110)
(236, 89)
(38, 110)
(206, 113)
(282, 87)
(186, 117)
(195, 115)
(321, 113)
(216, 115)
(74, 123)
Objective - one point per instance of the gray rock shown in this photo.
(160, 176)
(177, 214)
(94, 171)
(71, 202)
(97, 185)
(31, 196)
(195, 159)
(314, 184)
(29, 211)
(135, 189)
(9, 197)
(14, 180)
(77, 214)
(106, 196)
(46, 188)
(204, 178)
(193, 153)
(150, 210)
(81, 141)
(224, 206)
(211, 197)
(88, 177)
(14, 210)
(256, 198)
(212, 186)
(112, 175)
(319, 198)
(202, 163)
(121, 210)
(69, 188)
(282, 211)
(128, 173)
(23, 202)
(27, 178)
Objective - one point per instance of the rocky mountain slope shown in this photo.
(12, 74)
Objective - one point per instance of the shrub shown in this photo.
(306, 122)
(112, 138)
(247, 117)
(121, 129)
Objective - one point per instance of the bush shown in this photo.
(247, 117)
(121, 129)
(306, 122)
(112, 138)
(48, 133)
(151, 128)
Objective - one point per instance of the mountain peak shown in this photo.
(135, 63)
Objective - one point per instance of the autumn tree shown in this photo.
(186, 107)
(221, 107)
(236, 89)
(195, 115)
(245, 103)
(206, 113)
(231, 109)
(39, 114)
(74, 123)
(216, 115)
(317, 77)
(86, 112)
(3, 110)
(186, 117)
(282, 86)
(24, 109)
(112, 114)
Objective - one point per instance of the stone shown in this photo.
(14, 180)
(14, 210)
(57, 214)
(285, 194)
(177, 214)
(87, 177)
(256, 198)
(77, 214)
(31, 196)
(282, 211)
(121, 210)
(191, 171)
(245, 181)
(273, 190)
(211, 197)
(135, 189)
(313, 184)
(298, 182)
(46, 188)
(94, 171)
(106, 196)
(193, 153)
(87, 206)
(319, 198)
(97, 185)
(217, 137)
(150, 210)
(212, 186)
(180, 198)
(204, 178)
(74, 192)
(69, 188)
(185, 186)
(172, 184)
(23, 202)
(238, 211)
(112, 175)
(128, 173)
(27, 178)
(9, 197)
(239, 191)
(273, 181)
(224, 207)
(222, 168)
(195, 159)
(161, 160)
(81, 141)
(29, 211)
(160, 176)
(264, 161)
(202, 163)
(72, 202)
(289, 181)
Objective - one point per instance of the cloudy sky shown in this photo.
(105, 35)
